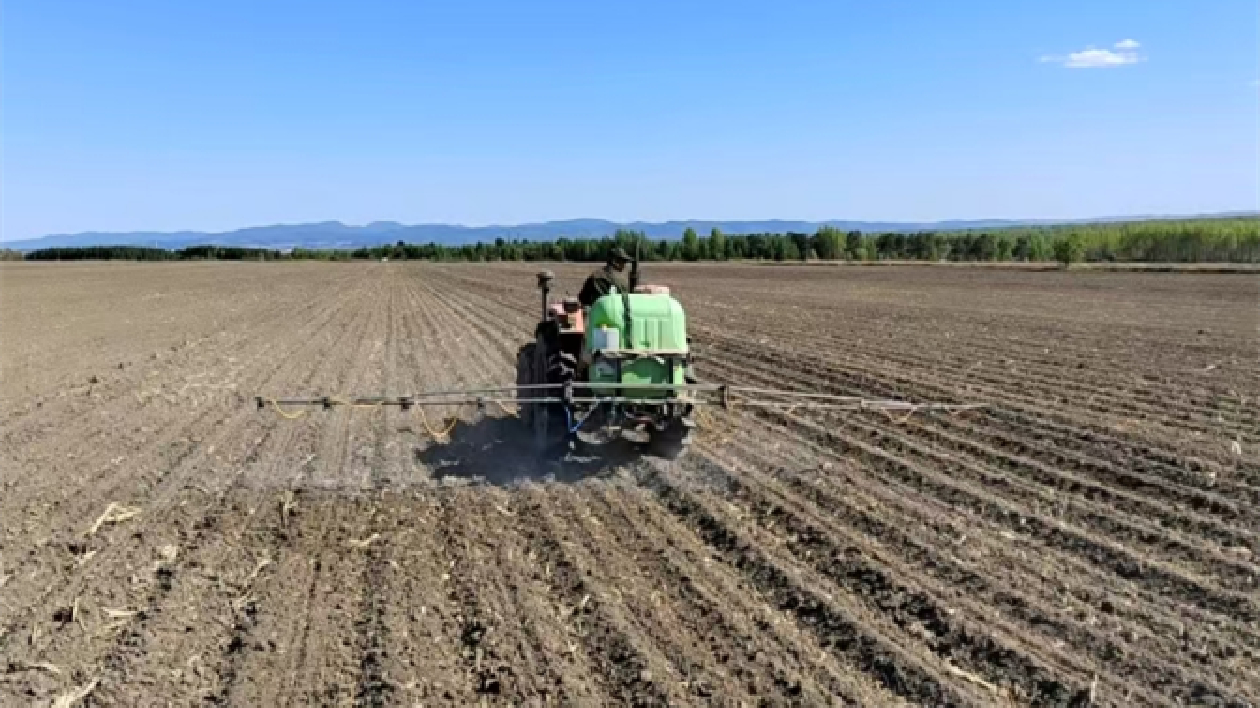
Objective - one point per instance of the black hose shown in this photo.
(625, 303)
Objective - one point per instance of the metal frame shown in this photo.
(700, 394)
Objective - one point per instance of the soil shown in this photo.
(1088, 538)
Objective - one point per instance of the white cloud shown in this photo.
(1091, 58)
(1099, 59)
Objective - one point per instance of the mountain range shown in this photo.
(334, 234)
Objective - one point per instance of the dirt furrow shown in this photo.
(1089, 538)
(965, 362)
(837, 536)
(329, 663)
(627, 667)
(1062, 391)
(1209, 489)
(513, 645)
(852, 635)
(743, 609)
(710, 612)
(153, 466)
(1063, 579)
(921, 442)
(877, 378)
(123, 556)
(674, 615)
(1097, 481)
(248, 544)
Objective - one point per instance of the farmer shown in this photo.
(602, 281)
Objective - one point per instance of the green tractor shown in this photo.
(620, 370)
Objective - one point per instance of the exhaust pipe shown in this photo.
(544, 285)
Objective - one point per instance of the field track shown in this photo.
(1092, 535)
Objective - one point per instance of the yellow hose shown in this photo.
(438, 434)
(293, 415)
(285, 414)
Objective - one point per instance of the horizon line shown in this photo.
(1017, 220)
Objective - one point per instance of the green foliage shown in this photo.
(870, 248)
(717, 242)
(101, 253)
(1005, 245)
(828, 243)
(1069, 249)
(800, 245)
(984, 247)
(226, 253)
(1038, 247)
(1234, 240)
(8, 254)
(1022, 248)
(853, 244)
(690, 245)
(786, 250)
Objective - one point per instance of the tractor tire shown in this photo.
(525, 377)
(541, 422)
(552, 367)
(561, 368)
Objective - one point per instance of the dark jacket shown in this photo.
(600, 283)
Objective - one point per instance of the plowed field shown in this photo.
(1092, 535)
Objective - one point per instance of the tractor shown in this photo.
(617, 370)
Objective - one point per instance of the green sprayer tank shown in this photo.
(650, 343)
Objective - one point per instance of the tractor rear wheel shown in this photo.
(555, 367)
(561, 367)
(525, 377)
(543, 412)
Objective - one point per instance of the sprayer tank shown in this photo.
(653, 321)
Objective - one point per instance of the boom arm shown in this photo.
(592, 392)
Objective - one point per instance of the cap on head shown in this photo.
(617, 254)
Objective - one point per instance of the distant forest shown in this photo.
(1226, 240)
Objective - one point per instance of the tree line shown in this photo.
(1229, 240)
(141, 253)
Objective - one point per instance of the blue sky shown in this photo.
(216, 115)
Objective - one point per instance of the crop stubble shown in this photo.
(1089, 536)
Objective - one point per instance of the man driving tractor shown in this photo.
(602, 281)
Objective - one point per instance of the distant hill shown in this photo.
(334, 234)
